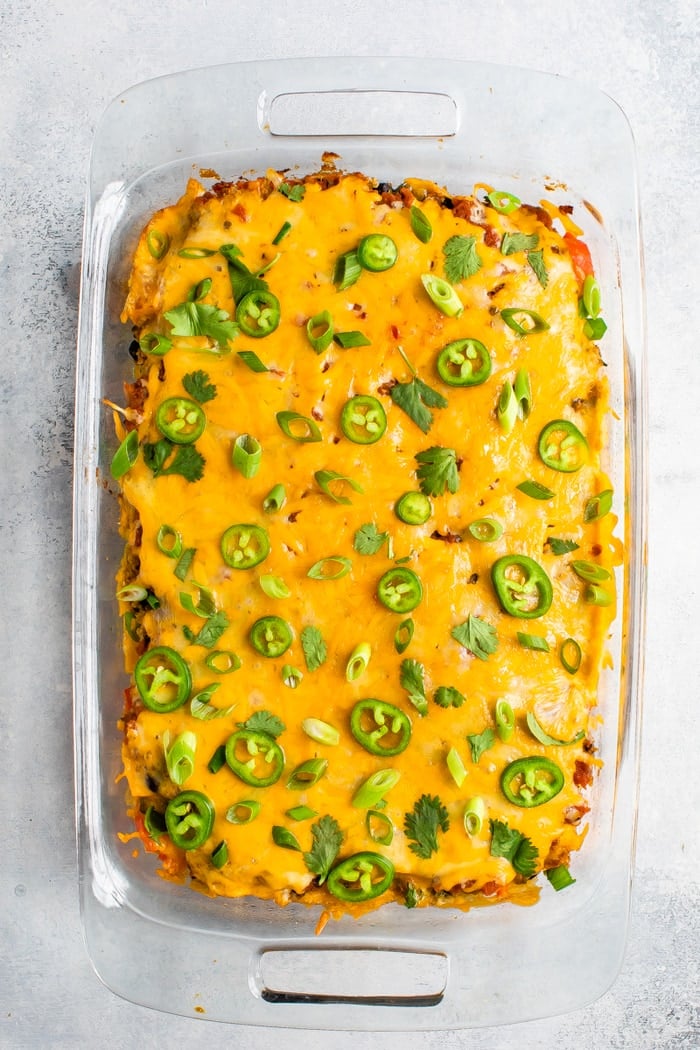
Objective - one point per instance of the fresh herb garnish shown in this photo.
(561, 546)
(314, 648)
(284, 838)
(479, 637)
(368, 540)
(518, 242)
(251, 359)
(514, 846)
(416, 399)
(413, 681)
(461, 258)
(448, 696)
(480, 742)
(190, 319)
(198, 386)
(411, 898)
(536, 261)
(420, 224)
(328, 839)
(422, 824)
(212, 630)
(264, 722)
(437, 470)
(187, 461)
(242, 279)
(292, 193)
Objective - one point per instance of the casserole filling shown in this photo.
(369, 555)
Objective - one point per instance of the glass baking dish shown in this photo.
(248, 961)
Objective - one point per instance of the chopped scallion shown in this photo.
(570, 655)
(458, 770)
(306, 774)
(169, 541)
(379, 827)
(274, 587)
(321, 732)
(326, 478)
(247, 455)
(351, 340)
(507, 408)
(474, 813)
(332, 568)
(243, 812)
(319, 331)
(533, 641)
(359, 659)
(559, 877)
(443, 295)
(372, 790)
(505, 719)
(275, 499)
(305, 429)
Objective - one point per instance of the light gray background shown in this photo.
(61, 63)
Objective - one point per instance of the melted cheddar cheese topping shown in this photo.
(405, 331)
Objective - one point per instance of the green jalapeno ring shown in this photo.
(363, 419)
(376, 252)
(542, 780)
(389, 731)
(400, 590)
(518, 580)
(189, 819)
(357, 871)
(464, 362)
(413, 508)
(271, 636)
(180, 420)
(169, 674)
(265, 758)
(258, 313)
(562, 446)
(244, 546)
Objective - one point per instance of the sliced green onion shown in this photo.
(522, 321)
(201, 708)
(179, 756)
(359, 659)
(268, 266)
(184, 562)
(125, 456)
(132, 628)
(200, 291)
(204, 607)
(169, 541)
(404, 635)
(505, 719)
(535, 490)
(319, 331)
(456, 766)
(243, 812)
(474, 813)
(598, 506)
(560, 877)
(594, 595)
(372, 790)
(284, 838)
(379, 827)
(301, 813)
(570, 655)
(351, 340)
(503, 202)
(155, 344)
(291, 676)
(282, 232)
(218, 759)
(486, 530)
(157, 243)
(324, 479)
(533, 641)
(219, 855)
(321, 732)
(133, 592)
(332, 568)
(247, 455)
(347, 270)
(196, 253)
(543, 736)
(595, 328)
(222, 661)
(443, 295)
(591, 296)
(306, 429)
(523, 393)
(587, 570)
(306, 774)
(507, 408)
(251, 359)
(154, 823)
(420, 224)
(274, 587)
(275, 499)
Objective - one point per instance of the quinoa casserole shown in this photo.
(368, 575)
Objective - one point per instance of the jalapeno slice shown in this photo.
(531, 781)
(413, 508)
(400, 590)
(189, 819)
(381, 728)
(258, 313)
(562, 446)
(180, 420)
(163, 679)
(255, 757)
(522, 586)
(361, 877)
(377, 252)
(244, 546)
(363, 419)
(465, 362)
(271, 636)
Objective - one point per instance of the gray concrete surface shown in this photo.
(61, 63)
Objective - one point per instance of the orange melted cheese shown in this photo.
(392, 310)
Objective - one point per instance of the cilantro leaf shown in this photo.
(190, 319)
(212, 629)
(422, 824)
(518, 242)
(328, 839)
(242, 279)
(461, 258)
(515, 847)
(186, 461)
(561, 546)
(198, 386)
(411, 898)
(412, 680)
(264, 722)
(368, 540)
(479, 637)
(480, 742)
(448, 696)
(416, 399)
(536, 261)
(292, 193)
(437, 470)
(314, 648)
